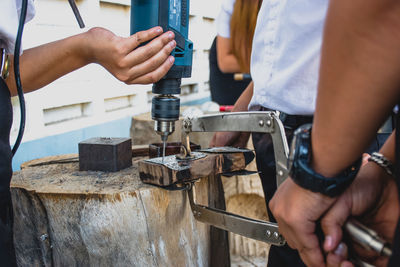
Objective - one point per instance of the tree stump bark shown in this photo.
(64, 217)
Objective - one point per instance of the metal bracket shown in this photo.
(255, 229)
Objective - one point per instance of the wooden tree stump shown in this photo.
(64, 217)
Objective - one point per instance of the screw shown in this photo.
(261, 123)
(276, 235)
(44, 237)
(268, 233)
(269, 123)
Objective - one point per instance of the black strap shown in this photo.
(395, 259)
(7, 255)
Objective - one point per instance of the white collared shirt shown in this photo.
(286, 55)
(10, 11)
(224, 18)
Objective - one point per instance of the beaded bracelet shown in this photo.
(383, 162)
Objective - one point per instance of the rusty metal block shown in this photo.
(105, 154)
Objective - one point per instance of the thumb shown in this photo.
(332, 223)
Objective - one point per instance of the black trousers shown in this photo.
(278, 256)
(224, 89)
(7, 254)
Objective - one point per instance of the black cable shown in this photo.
(17, 51)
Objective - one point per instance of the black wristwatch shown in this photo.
(302, 173)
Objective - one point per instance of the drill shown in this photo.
(171, 15)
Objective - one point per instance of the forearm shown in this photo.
(388, 149)
(227, 62)
(244, 100)
(41, 65)
(359, 80)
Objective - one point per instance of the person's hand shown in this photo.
(297, 210)
(126, 59)
(373, 198)
(234, 139)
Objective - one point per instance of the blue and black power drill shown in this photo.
(171, 15)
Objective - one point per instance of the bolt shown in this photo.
(276, 235)
(261, 123)
(280, 173)
(269, 123)
(268, 233)
(44, 237)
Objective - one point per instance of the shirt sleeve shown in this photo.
(224, 18)
(9, 19)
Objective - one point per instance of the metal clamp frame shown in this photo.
(255, 229)
(260, 122)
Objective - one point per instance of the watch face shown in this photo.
(296, 143)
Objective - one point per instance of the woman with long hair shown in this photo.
(231, 50)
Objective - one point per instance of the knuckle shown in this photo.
(121, 65)
(153, 77)
(140, 37)
(151, 49)
(154, 64)
(123, 77)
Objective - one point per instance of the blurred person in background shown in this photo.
(231, 50)
(39, 66)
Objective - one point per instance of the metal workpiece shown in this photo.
(367, 238)
(260, 122)
(251, 228)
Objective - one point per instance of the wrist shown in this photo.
(87, 46)
(303, 174)
(239, 108)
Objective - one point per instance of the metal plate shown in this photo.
(173, 163)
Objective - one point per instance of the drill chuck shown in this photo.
(165, 111)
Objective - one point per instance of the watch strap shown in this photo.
(315, 182)
(303, 174)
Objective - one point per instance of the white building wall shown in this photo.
(91, 96)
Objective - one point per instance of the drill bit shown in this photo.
(163, 150)
(164, 138)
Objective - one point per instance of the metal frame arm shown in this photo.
(260, 122)
(251, 228)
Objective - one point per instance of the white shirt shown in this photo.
(10, 11)
(224, 18)
(286, 55)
